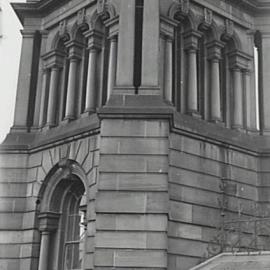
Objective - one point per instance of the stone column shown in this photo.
(112, 66)
(168, 83)
(192, 103)
(238, 98)
(44, 251)
(264, 78)
(43, 97)
(125, 63)
(251, 105)
(214, 55)
(191, 46)
(71, 89)
(52, 99)
(90, 104)
(215, 91)
(150, 48)
(48, 222)
(94, 46)
(39, 103)
(24, 79)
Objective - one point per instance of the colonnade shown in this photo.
(54, 62)
(238, 72)
(121, 71)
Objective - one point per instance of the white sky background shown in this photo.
(10, 47)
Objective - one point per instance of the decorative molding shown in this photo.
(81, 17)
(229, 26)
(62, 29)
(183, 5)
(207, 19)
(101, 6)
(208, 16)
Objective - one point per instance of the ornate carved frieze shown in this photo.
(62, 28)
(229, 29)
(183, 6)
(81, 17)
(208, 16)
(207, 19)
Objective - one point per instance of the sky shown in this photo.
(10, 46)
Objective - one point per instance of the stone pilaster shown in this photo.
(168, 78)
(112, 66)
(125, 53)
(265, 82)
(24, 80)
(150, 48)
(43, 97)
(42, 79)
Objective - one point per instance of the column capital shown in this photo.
(53, 58)
(74, 49)
(94, 39)
(167, 27)
(239, 60)
(214, 49)
(113, 26)
(191, 39)
(113, 38)
(28, 33)
(48, 221)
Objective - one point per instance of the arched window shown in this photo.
(62, 219)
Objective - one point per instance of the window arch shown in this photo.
(62, 218)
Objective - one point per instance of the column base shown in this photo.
(124, 90)
(149, 90)
(48, 126)
(18, 129)
(217, 121)
(238, 128)
(266, 131)
(88, 112)
(194, 114)
(68, 119)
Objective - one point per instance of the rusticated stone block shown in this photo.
(194, 195)
(131, 240)
(134, 128)
(194, 163)
(10, 221)
(187, 231)
(133, 181)
(135, 164)
(140, 258)
(134, 222)
(187, 247)
(194, 179)
(180, 211)
(140, 146)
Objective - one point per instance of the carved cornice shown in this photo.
(37, 9)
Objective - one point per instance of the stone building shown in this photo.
(140, 136)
